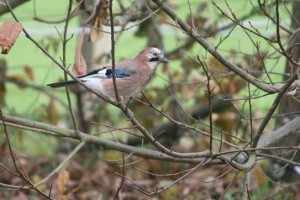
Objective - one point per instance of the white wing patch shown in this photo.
(102, 73)
(92, 82)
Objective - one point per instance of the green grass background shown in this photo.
(27, 102)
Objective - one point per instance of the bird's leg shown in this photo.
(121, 100)
(129, 112)
(126, 108)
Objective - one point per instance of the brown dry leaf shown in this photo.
(96, 34)
(215, 66)
(187, 92)
(230, 85)
(197, 77)
(198, 20)
(258, 177)
(19, 79)
(254, 63)
(102, 13)
(9, 32)
(225, 121)
(79, 67)
(62, 181)
(52, 114)
(165, 69)
(189, 63)
(29, 72)
(176, 75)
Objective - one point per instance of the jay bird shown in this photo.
(131, 75)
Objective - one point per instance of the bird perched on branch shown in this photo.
(131, 75)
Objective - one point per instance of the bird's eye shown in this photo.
(155, 54)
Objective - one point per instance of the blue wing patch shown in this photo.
(119, 73)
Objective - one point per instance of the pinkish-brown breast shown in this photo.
(128, 86)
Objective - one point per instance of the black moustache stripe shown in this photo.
(153, 59)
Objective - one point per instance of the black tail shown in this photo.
(62, 84)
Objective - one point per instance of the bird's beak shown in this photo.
(164, 60)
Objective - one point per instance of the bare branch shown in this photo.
(69, 133)
(211, 49)
(277, 137)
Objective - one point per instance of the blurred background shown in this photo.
(241, 31)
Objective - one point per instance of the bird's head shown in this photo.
(153, 56)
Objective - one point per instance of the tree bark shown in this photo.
(288, 103)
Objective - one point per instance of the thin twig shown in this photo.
(229, 185)
(271, 111)
(209, 95)
(160, 190)
(21, 175)
(113, 64)
(250, 112)
(64, 59)
(61, 165)
(69, 133)
(211, 49)
(57, 62)
(122, 179)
